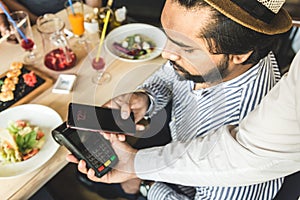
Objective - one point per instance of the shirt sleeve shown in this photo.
(265, 146)
(159, 86)
(162, 191)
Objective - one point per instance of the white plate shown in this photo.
(120, 33)
(39, 115)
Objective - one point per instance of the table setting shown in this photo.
(95, 67)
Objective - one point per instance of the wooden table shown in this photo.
(125, 78)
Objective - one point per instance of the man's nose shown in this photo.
(170, 52)
(170, 55)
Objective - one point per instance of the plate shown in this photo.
(39, 115)
(24, 93)
(150, 32)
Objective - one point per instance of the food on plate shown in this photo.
(135, 46)
(9, 83)
(20, 141)
(30, 79)
(6, 96)
(13, 73)
(16, 65)
(12, 79)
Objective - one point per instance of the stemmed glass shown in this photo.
(99, 64)
(22, 29)
(75, 14)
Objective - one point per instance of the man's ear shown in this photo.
(239, 59)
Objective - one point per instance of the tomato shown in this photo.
(21, 123)
(30, 154)
(7, 145)
(39, 135)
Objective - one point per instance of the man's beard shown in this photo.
(214, 75)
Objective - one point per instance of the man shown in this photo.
(266, 145)
(219, 69)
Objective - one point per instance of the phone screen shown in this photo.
(94, 118)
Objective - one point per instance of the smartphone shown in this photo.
(89, 146)
(95, 118)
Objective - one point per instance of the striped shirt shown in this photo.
(195, 112)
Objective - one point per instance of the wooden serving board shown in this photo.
(24, 93)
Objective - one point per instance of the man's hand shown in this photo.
(137, 103)
(123, 171)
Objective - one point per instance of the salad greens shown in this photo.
(20, 141)
(135, 46)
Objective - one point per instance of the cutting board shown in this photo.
(24, 93)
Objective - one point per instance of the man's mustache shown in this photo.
(186, 75)
(179, 68)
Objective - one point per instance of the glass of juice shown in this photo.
(75, 14)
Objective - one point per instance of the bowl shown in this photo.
(39, 115)
(148, 33)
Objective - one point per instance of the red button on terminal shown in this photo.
(101, 168)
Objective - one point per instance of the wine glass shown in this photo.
(22, 29)
(100, 64)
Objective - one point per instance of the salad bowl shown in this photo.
(136, 42)
(38, 115)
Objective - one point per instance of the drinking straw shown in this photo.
(71, 5)
(109, 3)
(106, 19)
(13, 22)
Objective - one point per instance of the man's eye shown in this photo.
(189, 50)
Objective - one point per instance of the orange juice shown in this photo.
(76, 22)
